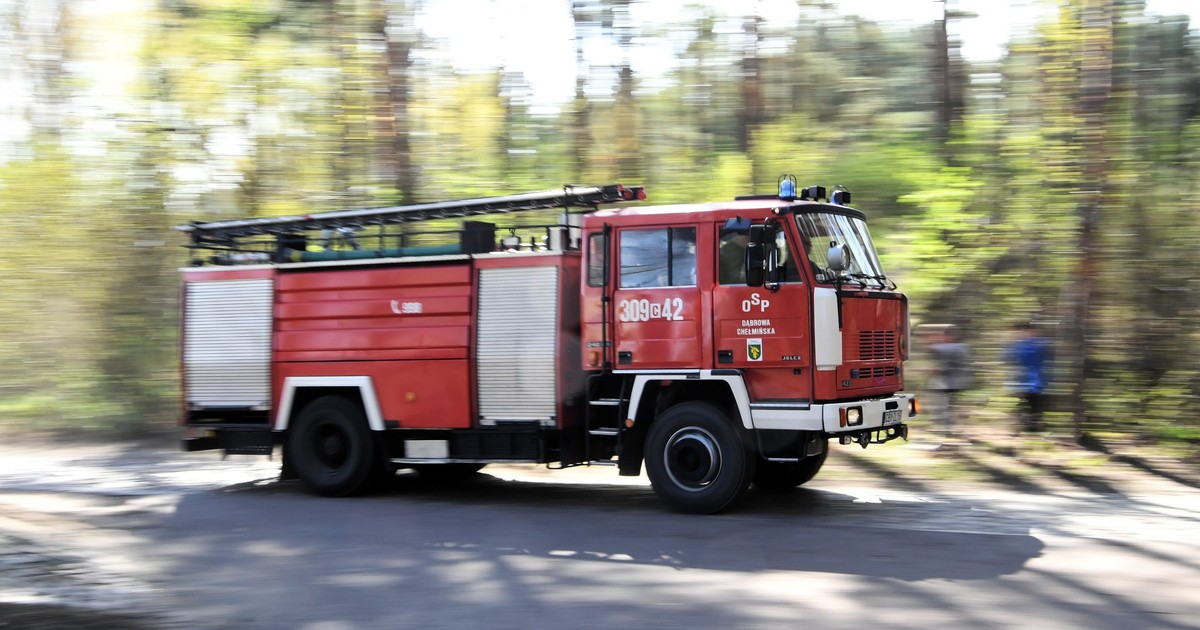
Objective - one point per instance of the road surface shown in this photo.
(148, 537)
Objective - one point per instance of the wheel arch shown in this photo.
(298, 391)
(649, 396)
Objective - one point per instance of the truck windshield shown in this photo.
(821, 230)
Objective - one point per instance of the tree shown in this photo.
(1096, 88)
(399, 36)
(948, 73)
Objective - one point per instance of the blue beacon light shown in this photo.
(787, 187)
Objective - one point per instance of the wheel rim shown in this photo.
(693, 458)
(331, 446)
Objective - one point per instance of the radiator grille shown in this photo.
(874, 372)
(876, 345)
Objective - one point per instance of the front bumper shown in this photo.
(849, 417)
(874, 413)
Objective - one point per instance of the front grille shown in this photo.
(874, 372)
(876, 345)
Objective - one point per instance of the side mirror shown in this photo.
(839, 257)
(756, 264)
(759, 251)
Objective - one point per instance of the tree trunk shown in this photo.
(751, 112)
(628, 145)
(579, 118)
(948, 77)
(398, 34)
(1097, 32)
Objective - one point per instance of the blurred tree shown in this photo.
(464, 139)
(1095, 71)
(625, 149)
(138, 314)
(47, 320)
(48, 280)
(751, 102)
(399, 36)
(948, 72)
(583, 16)
(1056, 184)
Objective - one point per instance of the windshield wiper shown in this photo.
(862, 278)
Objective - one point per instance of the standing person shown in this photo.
(952, 373)
(1030, 354)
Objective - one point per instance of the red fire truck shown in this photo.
(722, 344)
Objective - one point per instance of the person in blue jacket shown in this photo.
(1030, 356)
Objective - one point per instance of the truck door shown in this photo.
(656, 301)
(764, 331)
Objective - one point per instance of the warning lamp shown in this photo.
(840, 196)
(787, 187)
(632, 193)
(812, 193)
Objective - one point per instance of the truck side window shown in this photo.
(683, 257)
(597, 251)
(658, 257)
(731, 258)
(787, 262)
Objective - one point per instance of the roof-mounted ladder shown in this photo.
(568, 197)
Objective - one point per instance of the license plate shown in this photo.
(891, 417)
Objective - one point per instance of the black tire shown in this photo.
(331, 448)
(446, 473)
(696, 459)
(784, 476)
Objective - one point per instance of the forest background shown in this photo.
(1057, 184)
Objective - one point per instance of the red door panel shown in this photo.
(658, 328)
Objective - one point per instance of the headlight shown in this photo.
(852, 417)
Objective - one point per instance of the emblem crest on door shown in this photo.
(754, 350)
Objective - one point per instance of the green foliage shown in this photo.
(285, 107)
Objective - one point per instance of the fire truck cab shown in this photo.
(720, 345)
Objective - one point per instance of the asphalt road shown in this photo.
(109, 537)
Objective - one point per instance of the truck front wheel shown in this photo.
(783, 476)
(696, 460)
(331, 449)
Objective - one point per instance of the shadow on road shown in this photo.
(28, 616)
(1145, 466)
(809, 530)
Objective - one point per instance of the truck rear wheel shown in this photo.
(331, 449)
(696, 460)
(783, 476)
